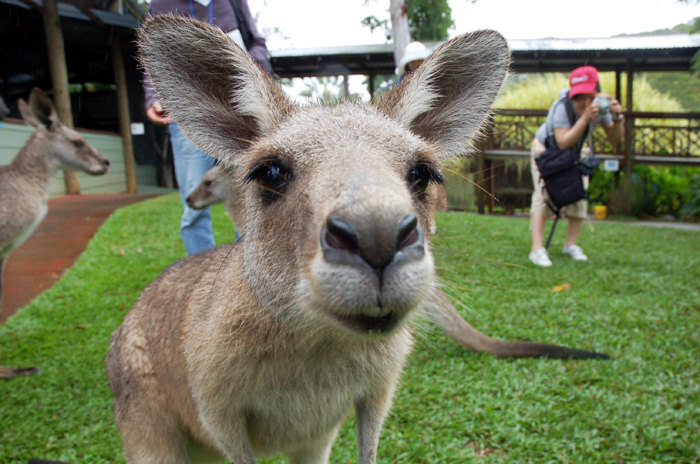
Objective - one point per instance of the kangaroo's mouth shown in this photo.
(367, 324)
(97, 170)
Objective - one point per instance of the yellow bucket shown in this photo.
(600, 212)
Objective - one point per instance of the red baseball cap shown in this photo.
(583, 80)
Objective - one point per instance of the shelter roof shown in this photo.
(645, 53)
(87, 11)
(88, 31)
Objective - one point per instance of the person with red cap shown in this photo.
(570, 121)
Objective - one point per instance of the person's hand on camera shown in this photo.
(615, 105)
(591, 111)
(156, 114)
(615, 108)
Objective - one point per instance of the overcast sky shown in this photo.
(314, 23)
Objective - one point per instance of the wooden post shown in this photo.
(492, 185)
(618, 97)
(123, 107)
(346, 86)
(124, 118)
(59, 78)
(629, 142)
(629, 125)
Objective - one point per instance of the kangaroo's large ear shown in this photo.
(447, 99)
(219, 96)
(40, 112)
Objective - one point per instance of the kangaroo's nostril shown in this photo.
(106, 162)
(340, 234)
(408, 231)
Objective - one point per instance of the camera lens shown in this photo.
(603, 105)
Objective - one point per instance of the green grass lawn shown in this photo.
(636, 299)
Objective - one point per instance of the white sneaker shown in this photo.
(540, 257)
(575, 252)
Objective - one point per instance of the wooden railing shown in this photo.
(658, 138)
(654, 138)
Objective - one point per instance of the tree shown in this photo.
(399, 25)
(429, 20)
(422, 20)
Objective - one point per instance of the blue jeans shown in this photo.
(191, 164)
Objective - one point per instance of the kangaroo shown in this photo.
(218, 185)
(264, 346)
(25, 184)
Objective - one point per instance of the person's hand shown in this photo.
(615, 108)
(615, 105)
(591, 111)
(156, 114)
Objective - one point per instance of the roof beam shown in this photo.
(34, 5)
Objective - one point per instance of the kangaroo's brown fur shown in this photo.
(26, 183)
(264, 346)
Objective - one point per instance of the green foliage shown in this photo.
(601, 183)
(459, 183)
(659, 190)
(637, 299)
(375, 23)
(531, 91)
(538, 91)
(656, 191)
(685, 28)
(329, 90)
(683, 87)
(691, 200)
(429, 20)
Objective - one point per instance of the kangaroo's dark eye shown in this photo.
(420, 176)
(207, 183)
(78, 143)
(272, 176)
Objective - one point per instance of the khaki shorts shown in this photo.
(539, 205)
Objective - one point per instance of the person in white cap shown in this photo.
(414, 54)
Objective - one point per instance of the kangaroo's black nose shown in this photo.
(341, 235)
(408, 231)
(373, 244)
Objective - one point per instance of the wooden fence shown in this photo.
(671, 139)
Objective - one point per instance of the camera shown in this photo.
(603, 105)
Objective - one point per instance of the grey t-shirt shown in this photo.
(557, 114)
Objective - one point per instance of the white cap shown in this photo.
(413, 51)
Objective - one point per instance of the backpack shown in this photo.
(558, 168)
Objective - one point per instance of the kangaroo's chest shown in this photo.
(17, 226)
(291, 398)
(289, 413)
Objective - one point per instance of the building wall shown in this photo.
(14, 135)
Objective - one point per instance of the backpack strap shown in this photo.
(573, 117)
(550, 140)
(242, 26)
